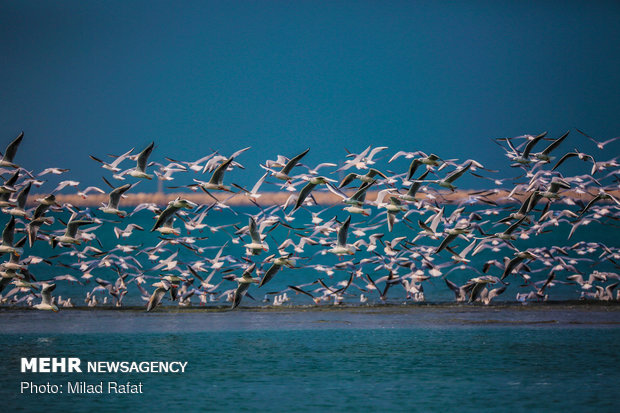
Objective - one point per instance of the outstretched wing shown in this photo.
(291, 164)
(11, 150)
(46, 293)
(218, 175)
(254, 231)
(8, 233)
(303, 194)
(555, 144)
(457, 174)
(530, 144)
(144, 156)
(115, 195)
(343, 231)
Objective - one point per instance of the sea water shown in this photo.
(434, 358)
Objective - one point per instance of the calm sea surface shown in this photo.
(427, 358)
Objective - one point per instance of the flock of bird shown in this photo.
(439, 238)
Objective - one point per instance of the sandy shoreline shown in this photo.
(499, 196)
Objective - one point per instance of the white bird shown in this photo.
(46, 298)
(142, 159)
(113, 166)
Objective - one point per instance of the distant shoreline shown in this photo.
(280, 198)
(381, 307)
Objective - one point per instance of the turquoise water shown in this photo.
(444, 358)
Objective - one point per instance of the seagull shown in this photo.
(20, 208)
(69, 237)
(127, 231)
(550, 193)
(393, 208)
(413, 189)
(7, 189)
(55, 171)
(518, 259)
(13, 265)
(253, 193)
(306, 190)
(39, 218)
(580, 155)
(362, 160)
(46, 298)
(368, 178)
(355, 201)
(163, 287)
(277, 264)
(85, 192)
(341, 247)
(140, 170)
(544, 155)
(9, 154)
(7, 239)
(217, 178)
(600, 145)
(602, 195)
(244, 283)
(283, 174)
(430, 160)
(257, 245)
(114, 199)
(172, 208)
(452, 234)
(448, 180)
(507, 235)
(113, 166)
(524, 158)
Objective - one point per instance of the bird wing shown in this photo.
(563, 158)
(254, 234)
(239, 293)
(343, 232)
(446, 241)
(437, 220)
(555, 144)
(259, 183)
(144, 156)
(374, 172)
(413, 189)
(291, 164)
(457, 174)
(391, 217)
(115, 195)
(413, 167)
(11, 150)
(303, 194)
(218, 175)
(269, 274)
(531, 143)
(164, 216)
(511, 266)
(514, 226)
(46, 294)
(360, 195)
(73, 226)
(156, 298)
(23, 195)
(8, 233)
(347, 179)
